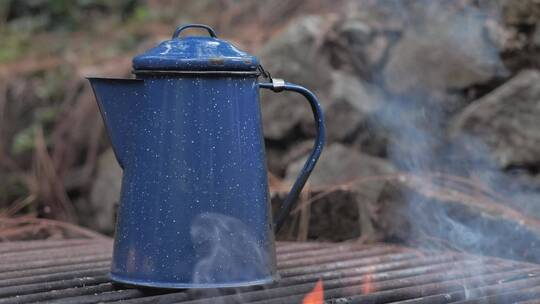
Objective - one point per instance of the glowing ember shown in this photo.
(367, 283)
(316, 296)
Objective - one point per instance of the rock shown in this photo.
(519, 184)
(336, 216)
(105, 193)
(359, 41)
(340, 164)
(278, 158)
(520, 12)
(378, 15)
(351, 103)
(349, 46)
(536, 37)
(291, 55)
(442, 49)
(505, 120)
(450, 212)
(274, 160)
(369, 29)
(297, 152)
(342, 212)
(362, 41)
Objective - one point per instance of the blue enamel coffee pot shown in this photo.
(194, 208)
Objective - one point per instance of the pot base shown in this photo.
(168, 285)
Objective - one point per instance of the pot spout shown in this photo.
(119, 101)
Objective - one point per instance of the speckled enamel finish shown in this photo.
(194, 208)
(195, 53)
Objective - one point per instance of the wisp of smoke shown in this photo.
(226, 250)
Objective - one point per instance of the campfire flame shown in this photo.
(316, 296)
(367, 283)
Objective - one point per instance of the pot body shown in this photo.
(194, 209)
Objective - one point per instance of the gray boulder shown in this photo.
(292, 55)
(520, 12)
(340, 164)
(344, 212)
(352, 102)
(443, 48)
(361, 38)
(105, 192)
(536, 37)
(506, 121)
(382, 16)
(363, 41)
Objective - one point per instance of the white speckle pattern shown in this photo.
(190, 147)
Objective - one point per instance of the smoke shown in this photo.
(422, 93)
(227, 251)
(447, 46)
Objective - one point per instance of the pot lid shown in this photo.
(195, 53)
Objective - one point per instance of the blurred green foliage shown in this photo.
(12, 186)
(24, 140)
(45, 45)
(65, 14)
(49, 88)
(44, 117)
(21, 20)
(13, 44)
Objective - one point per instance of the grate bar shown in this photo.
(347, 285)
(67, 293)
(52, 270)
(390, 290)
(360, 261)
(46, 262)
(527, 290)
(66, 272)
(101, 271)
(53, 253)
(405, 266)
(332, 257)
(9, 247)
(39, 287)
(435, 288)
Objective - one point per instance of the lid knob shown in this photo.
(186, 26)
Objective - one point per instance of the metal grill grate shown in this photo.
(75, 271)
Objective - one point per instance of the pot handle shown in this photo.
(194, 25)
(278, 85)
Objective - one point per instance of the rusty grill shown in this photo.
(75, 271)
